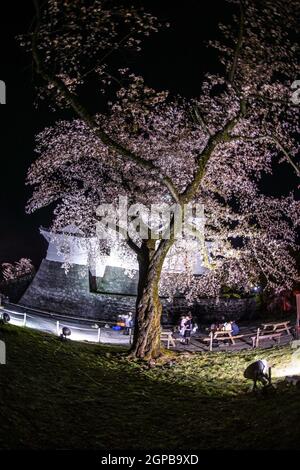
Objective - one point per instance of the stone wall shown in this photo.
(69, 293)
(116, 280)
(206, 311)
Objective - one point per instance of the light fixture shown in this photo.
(5, 317)
(259, 371)
(65, 333)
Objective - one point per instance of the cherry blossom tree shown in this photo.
(149, 146)
(11, 272)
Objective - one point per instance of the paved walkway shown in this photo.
(81, 330)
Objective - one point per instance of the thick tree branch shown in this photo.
(133, 246)
(203, 158)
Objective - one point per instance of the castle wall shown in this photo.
(69, 293)
(54, 290)
(116, 280)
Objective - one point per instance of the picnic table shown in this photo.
(265, 334)
(276, 327)
(168, 336)
(220, 335)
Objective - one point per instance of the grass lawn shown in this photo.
(82, 396)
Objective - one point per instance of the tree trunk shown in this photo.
(146, 341)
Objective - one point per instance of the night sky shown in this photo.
(173, 59)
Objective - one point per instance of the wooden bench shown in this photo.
(168, 336)
(261, 335)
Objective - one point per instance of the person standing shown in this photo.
(188, 329)
(128, 323)
(182, 328)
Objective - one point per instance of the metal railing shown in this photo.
(50, 324)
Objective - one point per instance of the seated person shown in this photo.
(227, 326)
(234, 328)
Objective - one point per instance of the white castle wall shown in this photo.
(55, 290)
(72, 248)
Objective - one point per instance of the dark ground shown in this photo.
(80, 396)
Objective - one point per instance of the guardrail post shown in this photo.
(298, 316)
(57, 327)
(257, 338)
(24, 319)
(130, 335)
(99, 335)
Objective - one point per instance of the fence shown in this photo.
(50, 324)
